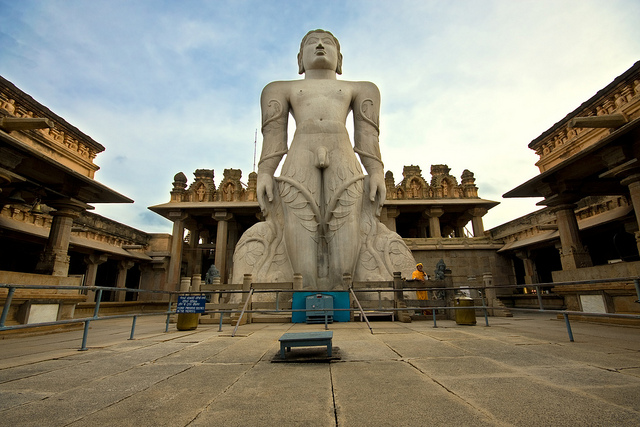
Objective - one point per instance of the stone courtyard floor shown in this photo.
(520, 371)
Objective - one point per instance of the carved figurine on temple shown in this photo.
(321, 212)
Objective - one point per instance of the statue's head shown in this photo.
(320, 34)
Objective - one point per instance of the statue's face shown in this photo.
(320, 52)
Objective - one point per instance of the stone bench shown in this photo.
(305, 339)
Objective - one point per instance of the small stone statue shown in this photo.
(212, 273)
(440, 268)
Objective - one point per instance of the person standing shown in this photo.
(421, 276)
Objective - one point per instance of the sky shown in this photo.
(174, 86)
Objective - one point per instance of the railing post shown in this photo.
(84, 336)
(166, 327)
(637, 283)
(220, 327)
(433, 312)
(566, 321)
(96, 309)
(246, 303)
(7, 304)
(539, 293)
(360, 308)
(484, 308)
(133, 327)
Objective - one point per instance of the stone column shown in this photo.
(476, 221)
(194, 256)
(222, 236)
(633, 182)
(121, 281)
(572, 254)
(93, 261)
(175, 263)
(388, 217)
(55, 258)
(434, 215)
(530, 272)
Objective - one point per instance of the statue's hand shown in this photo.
(377, 191)
(264, 189)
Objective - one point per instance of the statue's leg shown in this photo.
(344, 183)
(301, 213)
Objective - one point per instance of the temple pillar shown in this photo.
(530, 271)
(194, 257)
(175, 263)
(573, 254)
(93, 261)
(388, 217)
(222, 237)
(476, 221)
(55, 258)
(121, 280)
(434, 214)
(633, 182)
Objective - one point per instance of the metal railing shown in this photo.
(11, 289)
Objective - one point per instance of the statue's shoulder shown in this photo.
(365, 88)
(280, 85)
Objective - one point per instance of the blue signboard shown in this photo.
(191, 304)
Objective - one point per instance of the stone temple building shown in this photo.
(440, 218)
(48, 236)
(590, 184)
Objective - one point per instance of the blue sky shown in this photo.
(173, 86)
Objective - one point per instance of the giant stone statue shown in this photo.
(321, 213)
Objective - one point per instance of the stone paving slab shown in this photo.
(520, 371)
(176, 400)
(275, 394)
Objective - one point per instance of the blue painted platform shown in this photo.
(340, 300)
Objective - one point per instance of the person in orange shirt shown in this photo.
(421, 276)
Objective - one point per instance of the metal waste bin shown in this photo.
(465, 316)
(187, 321)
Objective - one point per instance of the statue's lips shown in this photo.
(320, 52)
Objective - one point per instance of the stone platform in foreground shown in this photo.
(519, 371)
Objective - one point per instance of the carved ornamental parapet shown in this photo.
(203, 188)
(63, 136)
(621, 98)
(412, 187)
(443, 185)
(85, 224)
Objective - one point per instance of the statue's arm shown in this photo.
(366, 113)
(275, 115)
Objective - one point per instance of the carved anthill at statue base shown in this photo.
(321, 212)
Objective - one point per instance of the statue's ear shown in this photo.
(300, 66)
(339, 67)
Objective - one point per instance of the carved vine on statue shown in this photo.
(321, 213)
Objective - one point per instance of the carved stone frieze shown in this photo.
(63, 138)
(621, 97)
(413, 186)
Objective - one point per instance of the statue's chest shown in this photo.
(329, 95)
